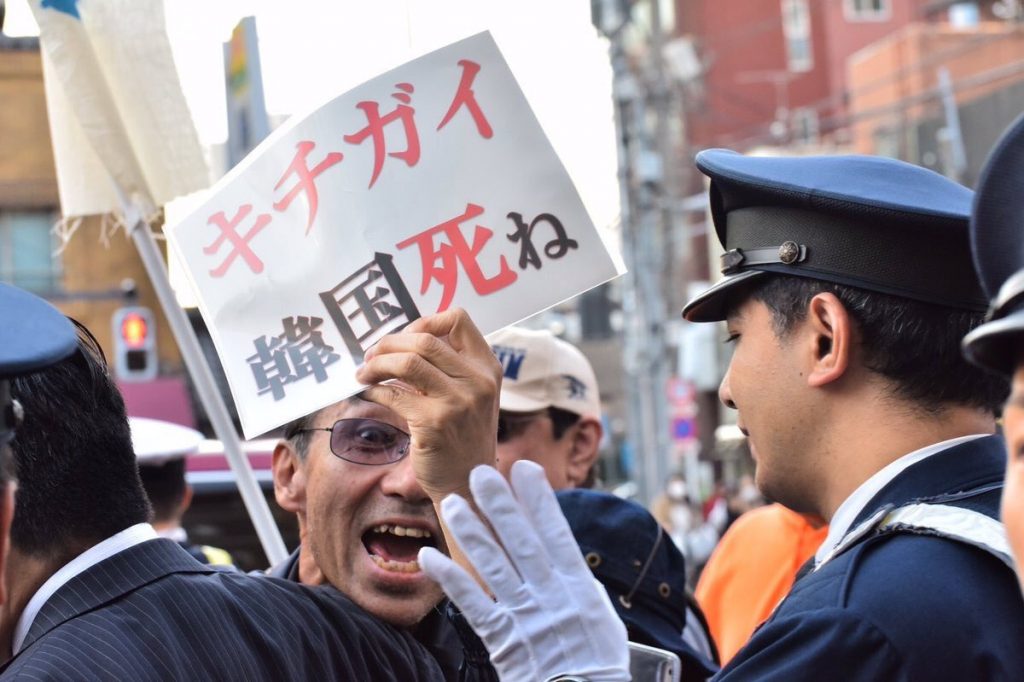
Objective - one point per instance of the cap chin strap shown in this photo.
(787, 253)
(627, 600)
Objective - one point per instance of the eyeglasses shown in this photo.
(366, 441)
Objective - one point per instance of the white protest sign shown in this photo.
(429, 187)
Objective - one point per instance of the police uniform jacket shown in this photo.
(899, 605)
(152, 612)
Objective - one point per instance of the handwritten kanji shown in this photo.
(240, 245)
(375, 129)
(306, 177)
(554, 249)
(465, 97)
(363, 309)
(296, 353)
(457, 252)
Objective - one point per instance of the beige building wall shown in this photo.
(89, 286)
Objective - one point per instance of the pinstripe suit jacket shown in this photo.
(152, 612)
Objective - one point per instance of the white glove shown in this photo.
(549, 616)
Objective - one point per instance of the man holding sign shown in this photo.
(345, 471)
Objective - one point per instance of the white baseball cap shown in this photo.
(541, 371)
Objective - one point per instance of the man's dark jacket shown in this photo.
(900, 605)
(152, 612)
(434, 632)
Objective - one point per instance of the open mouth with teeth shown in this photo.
(394, 548)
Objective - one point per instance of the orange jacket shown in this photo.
(751, 570)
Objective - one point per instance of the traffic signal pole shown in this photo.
(252, 496)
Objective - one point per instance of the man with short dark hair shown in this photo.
(161, 449)
(344, 472)
(94, 593)
(33, 334)
(848, 284)
(914, 580)
(550, 406)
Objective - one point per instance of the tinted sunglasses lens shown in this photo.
(368, 441)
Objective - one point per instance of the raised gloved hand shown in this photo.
(549, 616)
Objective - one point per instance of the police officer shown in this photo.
(33, 334)
(997, 238)
(161, 449)
(848, 285)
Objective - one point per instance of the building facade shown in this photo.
(85, 276)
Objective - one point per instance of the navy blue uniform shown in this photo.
(903, 606)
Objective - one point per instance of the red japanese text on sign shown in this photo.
(457, 251)
(240, 244)
(306, 178)
(465, 97)
(375, 129)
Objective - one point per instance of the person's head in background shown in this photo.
(675, 488)
(33, 335)
(77, 480)
(161, 450)
(550, 406)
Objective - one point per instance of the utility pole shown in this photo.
(647, 184)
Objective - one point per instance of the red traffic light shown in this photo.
(134, 330)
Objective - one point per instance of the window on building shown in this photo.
(27, 247)
(867, 10)
(796, 26)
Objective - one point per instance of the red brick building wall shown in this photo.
(747, 79)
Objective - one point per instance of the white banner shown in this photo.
(429, 187)
(117, 115)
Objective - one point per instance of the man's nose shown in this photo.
(725, 393)
(400, 480)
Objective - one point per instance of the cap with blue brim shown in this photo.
(997, 241)
(869, 222)
(33, 335)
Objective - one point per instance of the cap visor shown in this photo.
(997, 345)
(511, 402)
(713, 304)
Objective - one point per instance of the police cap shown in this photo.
(33, 334)
(997, 239)
(863, 221)
(157, 442)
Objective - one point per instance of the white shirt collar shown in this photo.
(177, 534)
(129, 537)
(853, 505)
